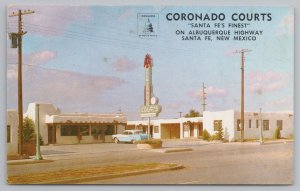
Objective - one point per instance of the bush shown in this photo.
(213, 137)
(205, 135)
(220, 134)
(28, 130)
(277, 134)
(151, 141)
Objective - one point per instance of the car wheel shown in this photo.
(116, 140)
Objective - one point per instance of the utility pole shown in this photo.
(180, 112)
(20, 100)
(261, 138)
(203, 97)
(242, 91)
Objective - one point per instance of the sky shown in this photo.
(90, 59)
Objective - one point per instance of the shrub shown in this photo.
(219, 133)
(28, 130)
(213, 137)
(151, 141)
(205, 135)
(277, 134)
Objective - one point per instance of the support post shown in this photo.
(261, 138)
(148, 128)
(38, 155)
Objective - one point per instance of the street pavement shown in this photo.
(207, 163)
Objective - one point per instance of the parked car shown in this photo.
(130, 136)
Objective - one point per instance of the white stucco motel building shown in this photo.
(230, 122)
(182, 128)
(179, 128)
(74, 128)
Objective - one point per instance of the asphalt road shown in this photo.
(223, 163)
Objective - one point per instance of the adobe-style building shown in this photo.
(12, 124)
(230, 122)
(72, 128)
(179, 128)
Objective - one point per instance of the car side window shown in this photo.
(125, 133)
(129, 133)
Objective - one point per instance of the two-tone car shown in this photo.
(130, 136)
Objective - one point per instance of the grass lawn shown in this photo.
(102, 172)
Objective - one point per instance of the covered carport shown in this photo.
(170, 130)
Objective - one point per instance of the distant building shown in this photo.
(12, 124)
(230, 122)
(171, 128)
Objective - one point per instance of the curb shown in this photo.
(103, 177)
(170, 150)
(27, 161)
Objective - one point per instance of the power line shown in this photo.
(203, 97)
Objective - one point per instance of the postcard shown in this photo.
(150, 95)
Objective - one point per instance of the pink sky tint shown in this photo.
(42, 57)
(210, 91)
(125, 15)
(281, 102)
(57, 18)
(230, 51)
(124, 65)
(60, 87)
(286, 25)
(261, 82)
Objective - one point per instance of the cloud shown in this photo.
(70, 90)
(281, 101)
(286, 25)
(124, 65)
(210, 91)
(36, 58)
(262, 82)
(12, 72)
(42, 57)
(50, 20)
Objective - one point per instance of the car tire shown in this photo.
(116, 140)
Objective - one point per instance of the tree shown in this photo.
(277, 134)
(28, 129)
(192, 113)
(205, 135)
(219, 133)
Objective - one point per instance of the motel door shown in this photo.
(191, 130)
(51, 134)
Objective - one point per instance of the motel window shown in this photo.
(109, 130)
(8, 130)
(156, 129)
(279, 124)
(257, 124)
(238, 123)
(69, 130)
(249, 123)
(266, 125)
(102, 129)
(217, 124)
(96, 130)
(84, 130)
